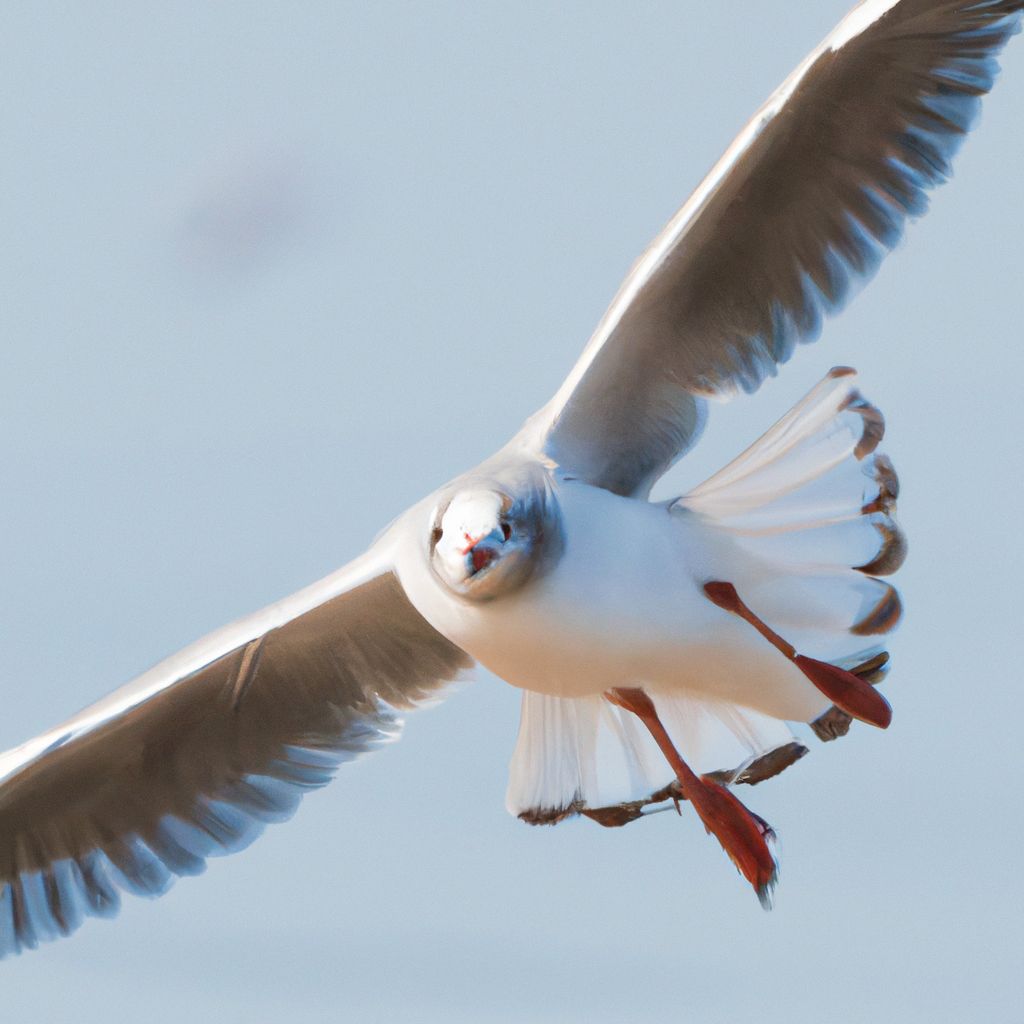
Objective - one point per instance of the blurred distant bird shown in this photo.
(660, 647)
(243, 209)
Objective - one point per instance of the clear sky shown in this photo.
(271, 272)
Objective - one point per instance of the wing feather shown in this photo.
(200, 753)
(801, 209)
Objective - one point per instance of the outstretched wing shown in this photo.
(806, 201)
(198, 754)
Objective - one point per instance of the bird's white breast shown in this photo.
(623, 587)
(623, 606)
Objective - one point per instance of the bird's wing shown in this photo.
(195, 756)
(804, 204)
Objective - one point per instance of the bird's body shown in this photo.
(663, 648)
(623, 606)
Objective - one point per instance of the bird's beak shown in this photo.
(483, 551)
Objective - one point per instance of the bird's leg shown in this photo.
(848, 692)
(743, 835)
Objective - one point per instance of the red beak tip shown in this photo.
(482, 557)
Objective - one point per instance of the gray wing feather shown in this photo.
(197, 756)
(803, 206)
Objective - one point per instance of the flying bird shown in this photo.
(663, 649)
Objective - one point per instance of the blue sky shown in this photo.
(270, 275)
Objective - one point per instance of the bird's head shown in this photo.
(485, 542)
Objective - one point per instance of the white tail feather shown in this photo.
(582, 753)
(812, 505)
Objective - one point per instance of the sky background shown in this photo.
(270, 273)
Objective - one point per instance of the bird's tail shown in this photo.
(813, 504)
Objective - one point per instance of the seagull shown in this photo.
(664, 649)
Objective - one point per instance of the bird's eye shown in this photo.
(506, 531)
(436, 534)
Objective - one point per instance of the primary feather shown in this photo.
(803, 206)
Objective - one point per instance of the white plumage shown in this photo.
(662, 648)
(636, 614)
